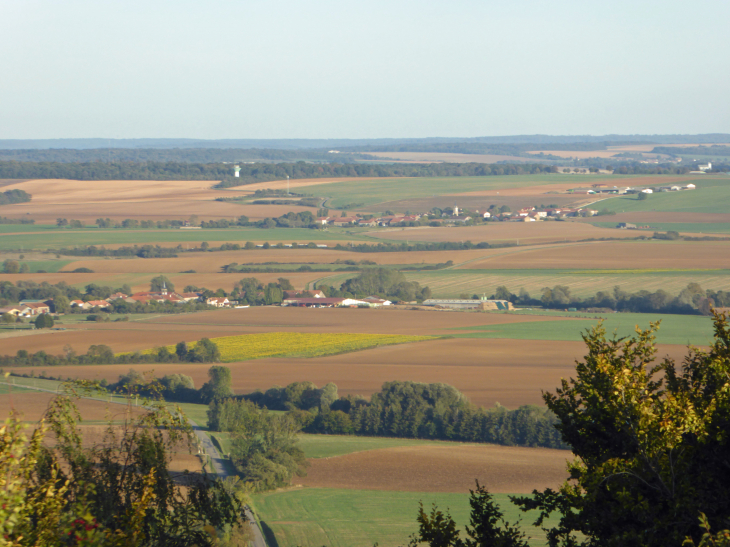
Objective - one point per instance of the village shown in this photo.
(456, 215)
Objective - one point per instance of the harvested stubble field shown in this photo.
(140, 199)
(494, 232)
(441, 468)
(299, 345)
(608, 255)
(32, 405)
(213, 262)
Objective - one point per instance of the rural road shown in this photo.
(219, 467)
(208, 447)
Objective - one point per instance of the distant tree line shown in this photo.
(409, 247)
(6, 220)
(164, 155)
(692, 300)
(709, 150)
(14, 196)
(251, 173)
(400, 409)
(204, 351)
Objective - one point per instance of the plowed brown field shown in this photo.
(33, 405)
(511, 372)
(439, 468)
(614, 255)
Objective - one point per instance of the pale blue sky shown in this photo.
(336, 69)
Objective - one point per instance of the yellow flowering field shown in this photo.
(294, 344)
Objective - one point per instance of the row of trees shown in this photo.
(651, 443)
(407, 409)
(692, 300)
(204, 351)
(250, 173)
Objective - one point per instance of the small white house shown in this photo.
(705, 167)
(647, 191)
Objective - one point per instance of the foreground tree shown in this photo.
(58, 490)
(651, 442)
(487, 526)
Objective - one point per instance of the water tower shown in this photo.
(236, 170)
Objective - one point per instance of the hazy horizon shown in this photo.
(349, 70)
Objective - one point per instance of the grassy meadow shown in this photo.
(674, 329)
(710, 196)
(311, 517)
(367, 194)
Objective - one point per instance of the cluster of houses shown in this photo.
(317, 299)
(146, 297)
(605, 189)
(31, 308)
(27, 308)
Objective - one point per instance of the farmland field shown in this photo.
(674, 329)
(293, 344)
(453, 283)
(711, 196)
(312, 517)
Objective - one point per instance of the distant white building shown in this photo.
(705, 167)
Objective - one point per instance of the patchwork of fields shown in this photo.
(362, 490)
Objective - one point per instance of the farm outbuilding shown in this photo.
(481, 304)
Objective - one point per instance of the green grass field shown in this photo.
(327, 446)
(674, 329)
(374, 191)
(710, 196)
(56, 239)
(311, 517)
(453, 283)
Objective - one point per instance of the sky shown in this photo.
(343, 69)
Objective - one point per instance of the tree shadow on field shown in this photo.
(268, 535)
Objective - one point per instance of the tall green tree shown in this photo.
(651, 441)
(218, 384)
(156, 284)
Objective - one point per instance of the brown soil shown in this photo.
(511, 372)
(439, 468)
(33, 405)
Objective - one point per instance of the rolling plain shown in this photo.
(507, 358)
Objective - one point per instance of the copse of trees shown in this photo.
(384, 282)
(264, 447)
(406, 409)
(14, 196)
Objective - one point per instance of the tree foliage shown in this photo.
(651, 441)
(264, 447)
(59, 490)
